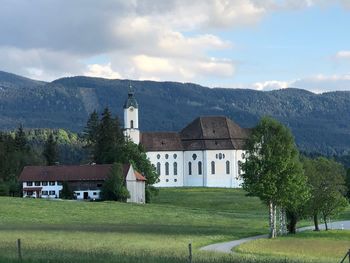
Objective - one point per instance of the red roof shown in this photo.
(97, 172)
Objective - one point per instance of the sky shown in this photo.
(256, 44)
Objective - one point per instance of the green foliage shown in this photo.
(347, 183)
(109, 140)
(327, 182)
(114, 188)
(136, 155)
(272, 170)
(50, 151)
(66, 193)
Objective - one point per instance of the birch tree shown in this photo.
(272, 170)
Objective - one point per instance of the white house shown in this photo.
(207, 152)
(85, 181)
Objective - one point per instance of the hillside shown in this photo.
(320, 122)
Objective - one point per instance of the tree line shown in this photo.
(293, 187)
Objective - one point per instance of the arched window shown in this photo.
(166, 168)
(158, 168)
(199, 167)
(175, 168)
(189, 168)
(212, 167)
(132, 124)
(227, 167)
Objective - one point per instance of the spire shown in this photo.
(131, 101)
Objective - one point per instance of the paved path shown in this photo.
(226, 247)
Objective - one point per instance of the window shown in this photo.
(99, 185)
(158, 168)
(29, 192)
(51, 183)
(199, 167)
(94, 193)
(44, 193)
(158, 156)
(216, 156)
(59, 183)
(190, 168)
(175, 180)
(166, 156)
(194, 156)
(212, 167)
(44, 183)
(167, 180)
(175, 168)
(52, 192)
(37, 183)
(175, 155)
(29, 183)
(166, 168)
(78, 194)
(220, 156)
(132, 124)
(227, 167)
(223, 156)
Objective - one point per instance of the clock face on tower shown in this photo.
(131, 109)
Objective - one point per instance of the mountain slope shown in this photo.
(320, 122)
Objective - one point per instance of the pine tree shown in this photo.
(21, 140)
(51, 151)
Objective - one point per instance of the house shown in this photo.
(85, 181)
(207, 152)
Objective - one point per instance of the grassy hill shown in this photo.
(320, 122)
(70, 231)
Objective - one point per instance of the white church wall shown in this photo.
(195, 177)
(171, 157)
(220, 177)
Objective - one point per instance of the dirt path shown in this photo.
(226, 247)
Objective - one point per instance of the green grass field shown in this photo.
(70, 231)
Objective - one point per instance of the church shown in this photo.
(206, 153)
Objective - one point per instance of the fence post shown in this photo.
(19, 249)
(190, 252)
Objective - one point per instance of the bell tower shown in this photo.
(131, 117)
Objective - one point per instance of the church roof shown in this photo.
(204, 133)
(161, 141)
(131, 101)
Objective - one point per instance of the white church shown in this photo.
(207, 152)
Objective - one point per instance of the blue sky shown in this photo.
(263, 45)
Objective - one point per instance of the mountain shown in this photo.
(320, 122)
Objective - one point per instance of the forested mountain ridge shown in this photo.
(320, 122)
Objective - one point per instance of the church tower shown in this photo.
(131, 117)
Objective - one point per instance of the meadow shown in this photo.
(71, 231)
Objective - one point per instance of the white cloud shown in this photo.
(101, 71)
(344, 54)
(271, 85)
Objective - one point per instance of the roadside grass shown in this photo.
(308, 246)
(73, 231)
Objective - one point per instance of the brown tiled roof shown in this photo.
(98, 172)
(204, 133)
(161, 141)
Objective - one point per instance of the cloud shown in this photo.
(271, 85)
(324, 83)
(102, 71)
(344, 54)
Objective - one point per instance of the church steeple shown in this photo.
(131, 117)
(131, 101)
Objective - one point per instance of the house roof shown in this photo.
(98, 172)
(204, 133)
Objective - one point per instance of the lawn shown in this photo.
(71, 231)
(324, 246)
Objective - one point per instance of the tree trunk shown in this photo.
(325, 222)
(284, 223)
(272, 219)
(293, 219)
(316, 223)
